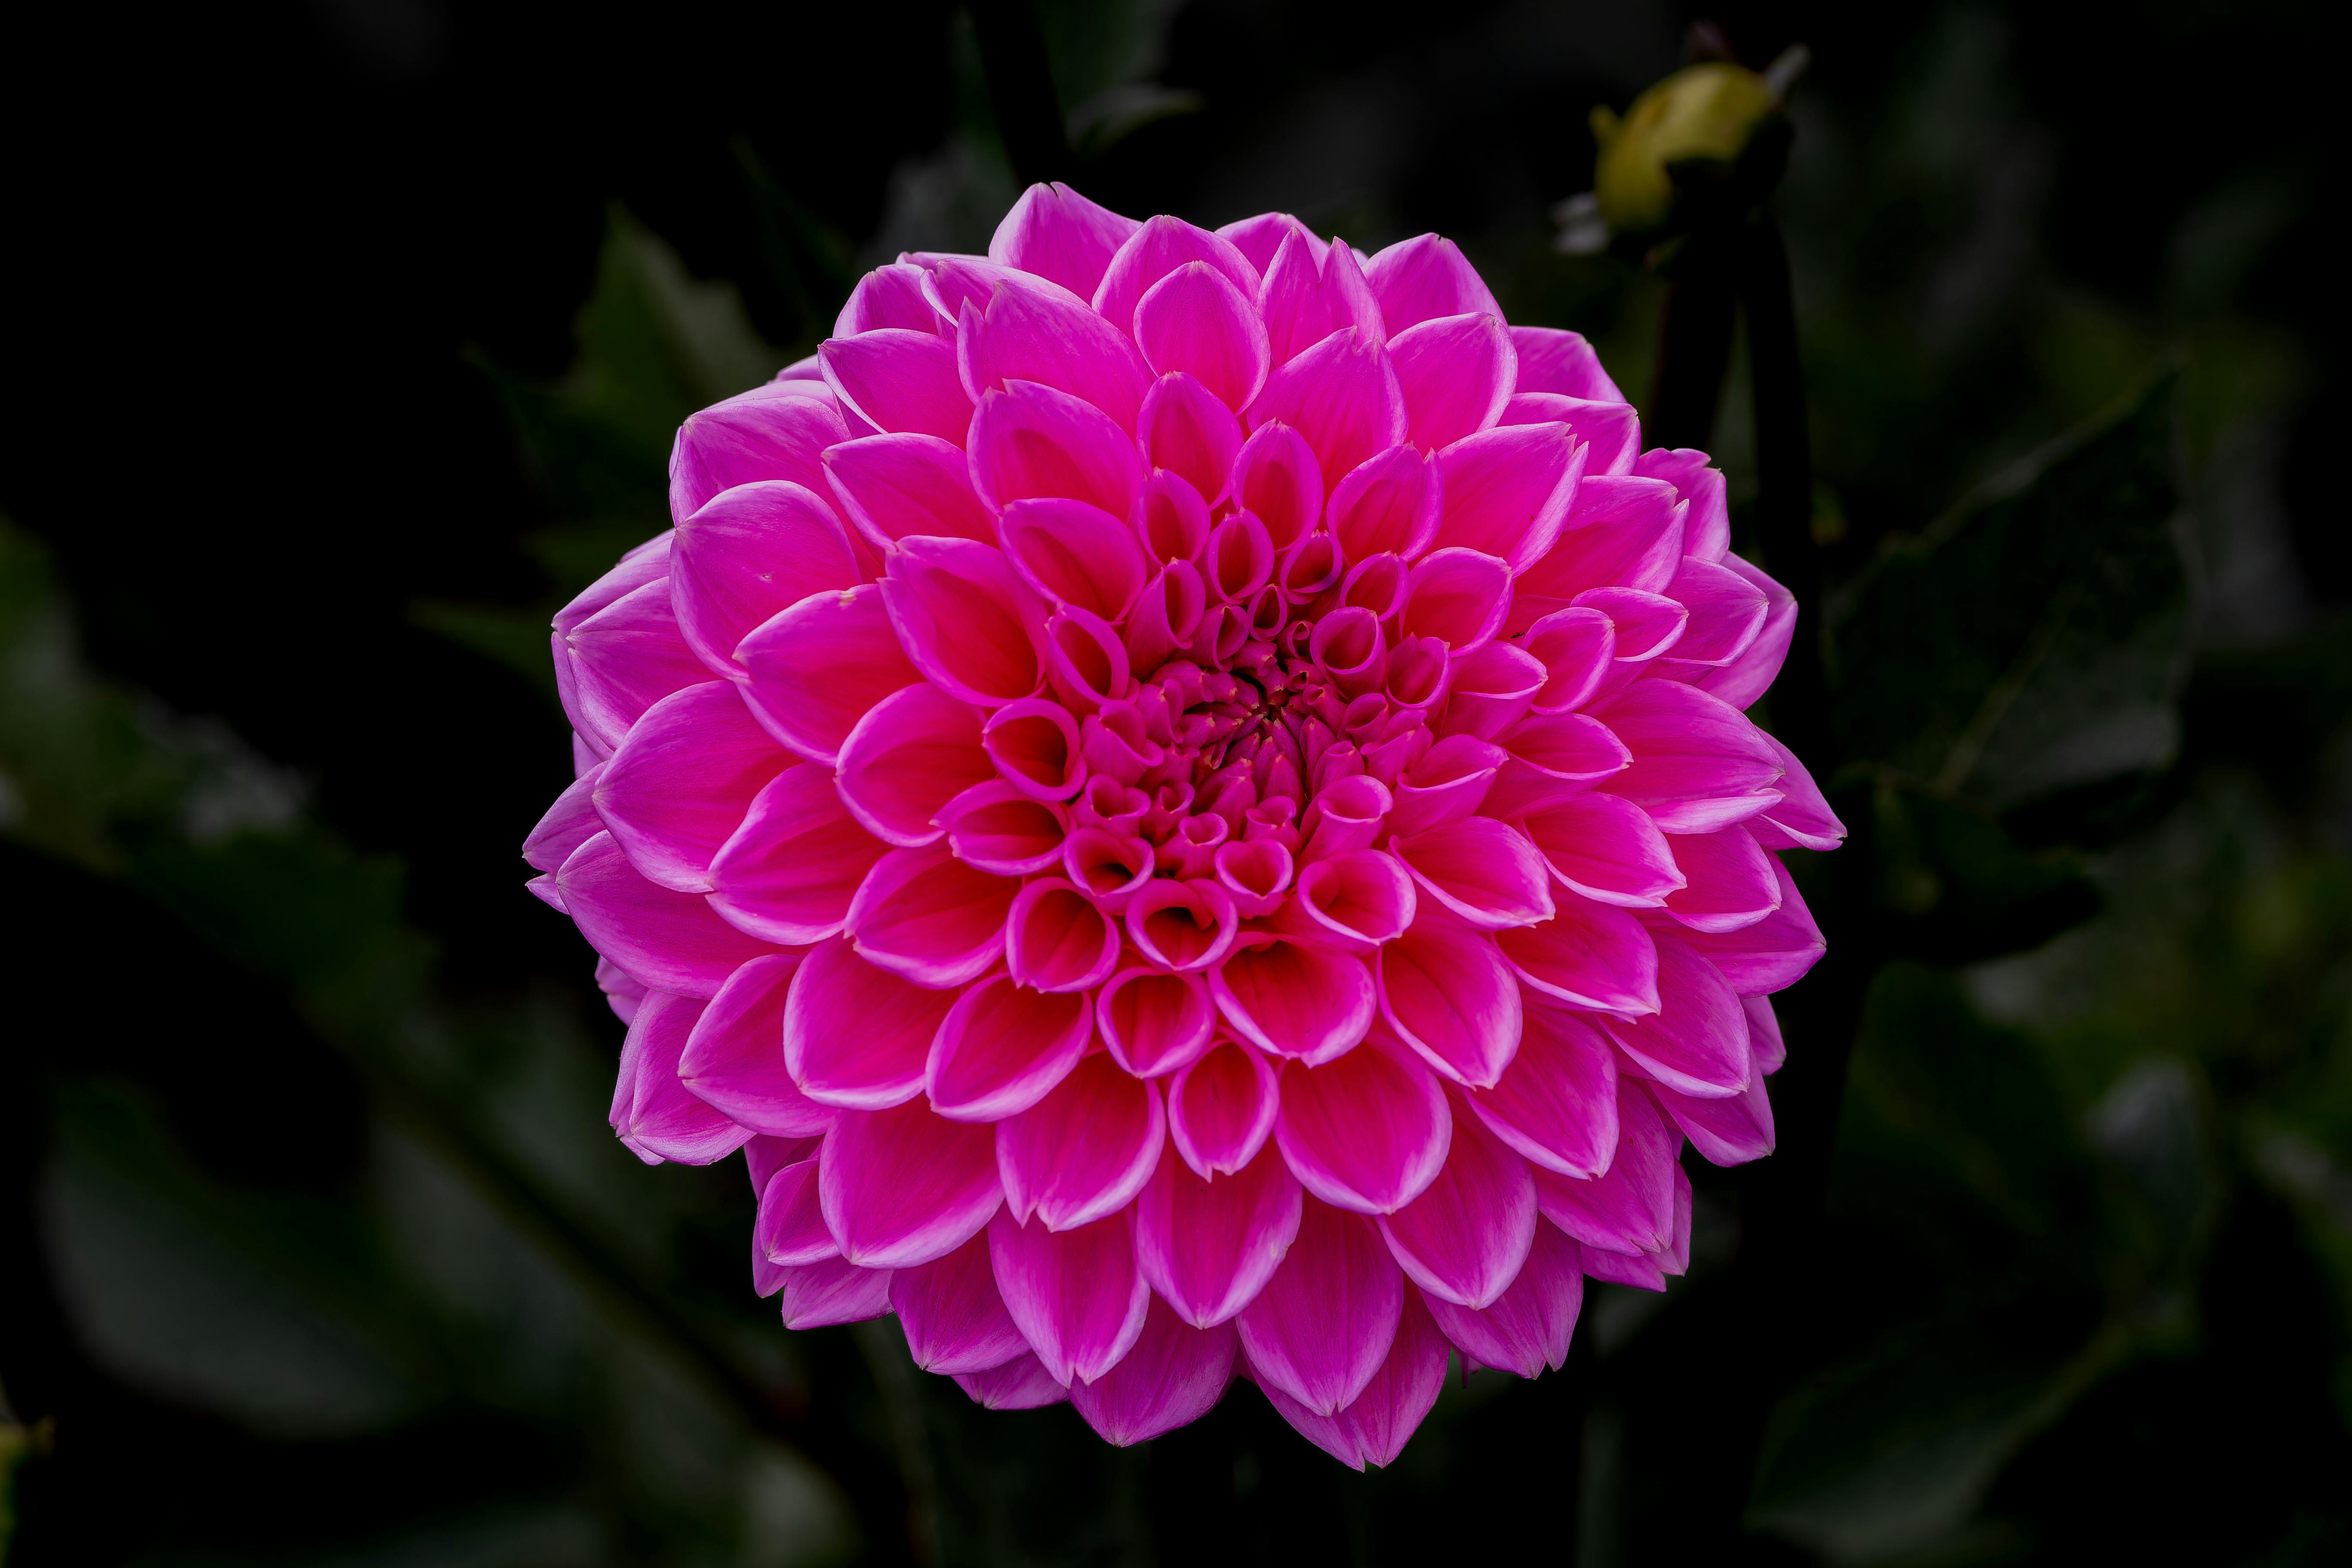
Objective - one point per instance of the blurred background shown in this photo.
(344, 341)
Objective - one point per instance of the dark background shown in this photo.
(341, 342)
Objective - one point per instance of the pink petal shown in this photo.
(734, 1060)
(1222, 1108)
(1630, 1207)
(1508, 489)
(834, 1291)
(570, 821)
(1446, 784)
(1771, 955)
(1642, 626)
(1060, 234)
(1604, 848)
(855, 1035)
(1730, 884)
(1374, 1429)
(670, 941)
(1449, 995)
(1075, 553)
(1021, 1384)
(1003, 1047)
(1764, 1042)
(1425, 276)
(789, 871)
(1367, 1133)
(888, 295)
(1255, 873)
(1181, 925)
(926, 915)
(1292, 999)
(1727, 1131)
(1456, 373)
(651, 1112)
(1465, 1237)
(1696, 1042)
(1342, 397)
(1030, 440)
(1698, 764)
(1209, 1243)
(952, 281)
(998, 829)
(1197, 321)
(1610, 433)
(1587, 955)
(1077, 1294)
(1085, 1150)
(1154, 1022)
(1577, 647)
(1481, 869)
(967, 622)
(1707, 533)
(914, 752)
(1803, 820)
(901, 381)
(903, 1186)
(1034, 744)
(1259, 237)
(1187, 430)
(1575, 748)
(1726, 614)
(1529, 1328)
(1745, 678)
(1491, 687)
(679, 785)
(790, 1230)
(1174, 1374)
(1459, 596)
(1275, 478)
(1024, 334)
(1322, 1326)
(624, 658)
(1362, 898)
(892, 486)
(767, 433)
(820, 665)
(748, 554)
(1554, 360)
(1056, 940)
(1391, 502)
(1557, 1102)
(954, 1319)
(1312, 290)
(1158, 247)
(1620, 533)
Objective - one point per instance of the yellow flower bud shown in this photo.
(1708, 111)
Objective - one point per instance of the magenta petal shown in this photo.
(1771, 955)
(651, 1112)
(1056, 940)
(1196, 320)
(1577, 648)
(1575, 748)
(1368, 1132)
(624, 658)
(1698, 764)
(1630, 1207)
(1727, 1131)
(1154, 250)
(893, 486)
(1003, 1047)
(1075, 553)
(1621, 531)
(1024, 334)
(1730, 880)
(1492, 687)
(901, 381)
(678, 787)
(1610, 433)
(1528, 1329)
(1222, 1108)
(1374, 1429)
(1507, 490)
(1323, 1325)
(1076, 1294)
(1342, 395)
(1803, 819)
(1447, 783)
(1187, 430)
(1030, 440)
(1465, 1237)
(1209, 1243)
(1764, 1042)
(667, 939)
(954, 1319)
(1085, 1150)
(1726, 613)
(1696, 1042)
(819, 667)
(1361, 899)
(1482, 870)
(1450, 996)
(570, 821)
(1557, 1102)
(1456, 373)
(834, 1291)
(1587, 955)
(1643, 626)
(1554, 360)
(1275, 478)
(907, 757)
(1155, 1022)
(1744, 679)
(965, 619)
(789, 871)
(855, 1035)
(888, 295)
(748, 554)
(767, 433)
(1021, 1384)
(1293, 998)
(1311, 290)
(734, 1060)
(1174, 1374)
(1707, 533)
(1457, 595)
(926, 915)
(1392, 502)
(1060, 236)
(903, 1186)
(1604, 848)
(1425, 276)
(1257, 238)
(789, 1231)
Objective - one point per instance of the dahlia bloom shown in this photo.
(1183, 797)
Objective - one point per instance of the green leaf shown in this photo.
(2035, 637)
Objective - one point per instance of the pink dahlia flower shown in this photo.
(1183, 797)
